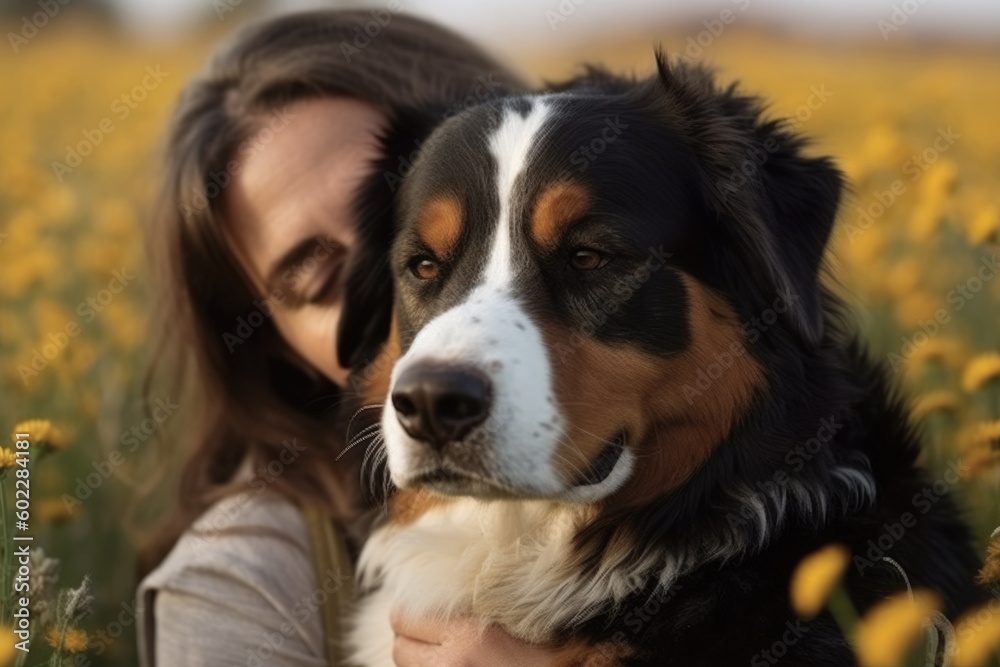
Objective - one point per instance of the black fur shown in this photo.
(760, 233)
(730, 614)
(368, 291)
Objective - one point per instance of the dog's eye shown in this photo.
(424, 268)
(585, 259)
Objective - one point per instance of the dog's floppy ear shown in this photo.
(368, 293)
(778, 206)
(804, 196)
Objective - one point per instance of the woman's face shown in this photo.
(289, 217)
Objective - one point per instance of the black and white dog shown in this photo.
(624, 406)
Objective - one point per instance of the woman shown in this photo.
(255, 228)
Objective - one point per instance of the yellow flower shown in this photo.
(26, 269)
(904, 277)
(55, 510)
(916, 307)
(8, 459)
(75, 640)
(855, 169)
(978, 460)
(42, 433)
(941, 350)
(987, 434)
(889, 629)
(881, 144)
(938, 179)
(990, 574)
(865, 245)
(936, 401)
(985, 225)
(976, 648)
(815, 577)
(980, 370)
(7, 648)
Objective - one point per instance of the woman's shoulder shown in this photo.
(248, 556)
(242, 533)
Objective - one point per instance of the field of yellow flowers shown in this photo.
(81, 114)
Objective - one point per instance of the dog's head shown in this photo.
(577, 275)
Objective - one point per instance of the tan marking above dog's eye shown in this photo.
(424, 268)
(440, 224)
(585, 259)
(556, 210)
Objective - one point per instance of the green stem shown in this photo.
(843, 612)
(55, 660)
(988, 398)
(35, 455)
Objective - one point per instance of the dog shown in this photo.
(623, 402)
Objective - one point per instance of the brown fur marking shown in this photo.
(603, 389)
(555, 210)
(440, 225)
(408, 505)
(588, 655)
(376, 376)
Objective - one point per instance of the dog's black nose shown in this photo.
(441, 404)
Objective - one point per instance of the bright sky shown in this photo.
(499, 22)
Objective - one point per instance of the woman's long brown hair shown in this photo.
(252, 398)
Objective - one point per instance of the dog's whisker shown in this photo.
(575, 468)
(358, 441)
(370, 470)
(373, 464)
(355, 442)
(371, 426)
(594, 435)
(373, 449)
(357, 412)
(365, 430)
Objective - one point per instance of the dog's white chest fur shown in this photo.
(505, 562)
(513, 563)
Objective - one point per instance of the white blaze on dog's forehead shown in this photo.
(510, 145)
(490, 330)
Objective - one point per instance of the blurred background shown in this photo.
(903, 93)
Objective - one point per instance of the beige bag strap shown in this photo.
(334, 575)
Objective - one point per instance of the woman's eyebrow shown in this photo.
(294, 257)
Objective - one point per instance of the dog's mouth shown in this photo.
(605, 462)
(449, 481)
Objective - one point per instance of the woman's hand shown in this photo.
(431, 642)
